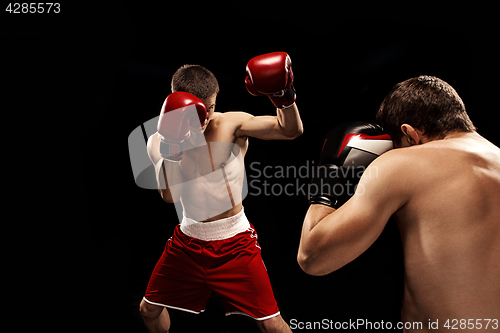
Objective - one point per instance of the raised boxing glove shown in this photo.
(347, 151)
(271, 75)
(179, 111)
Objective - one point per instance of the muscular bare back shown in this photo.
(450, 229)
(445, 196)
(442, 184)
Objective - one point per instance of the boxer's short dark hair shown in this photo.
(427, 103)
(196, 80)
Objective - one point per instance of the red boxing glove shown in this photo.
(271, 75)
(179, 111)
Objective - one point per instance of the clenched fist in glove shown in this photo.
(271, 75)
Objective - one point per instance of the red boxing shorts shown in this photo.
(223, 257)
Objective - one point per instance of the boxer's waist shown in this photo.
(215, 230)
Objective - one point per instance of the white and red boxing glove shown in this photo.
(179, 111)
(271, 75)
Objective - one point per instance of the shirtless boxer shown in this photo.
(443, 188)
(198, 160)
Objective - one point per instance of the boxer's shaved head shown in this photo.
(426, 103)
(196, 80)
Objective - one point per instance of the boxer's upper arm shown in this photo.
(340, 237)
(287, 125)
(260, 127)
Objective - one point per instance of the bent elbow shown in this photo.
(168, 200)
(299, 132)
(295, 134)
(309, 265)
(303, 262)
(166, 196)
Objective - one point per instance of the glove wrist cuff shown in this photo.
(285, 100)
(333, 186)
(171, 151)
(326, 200)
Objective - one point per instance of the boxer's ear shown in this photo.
(411, 136)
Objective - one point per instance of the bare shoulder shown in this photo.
(469, 149)
(395, 163)
(223, 127)
(230, 121)
(457, 167)
(390, 175)
(397, 176)
(233, 117)
(414, 166)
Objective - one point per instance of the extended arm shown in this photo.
(286, 125)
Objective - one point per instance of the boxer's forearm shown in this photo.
(307, 246)
(315, 214)
(169, 173)
(289, 121)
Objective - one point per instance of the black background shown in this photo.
(106, 69)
